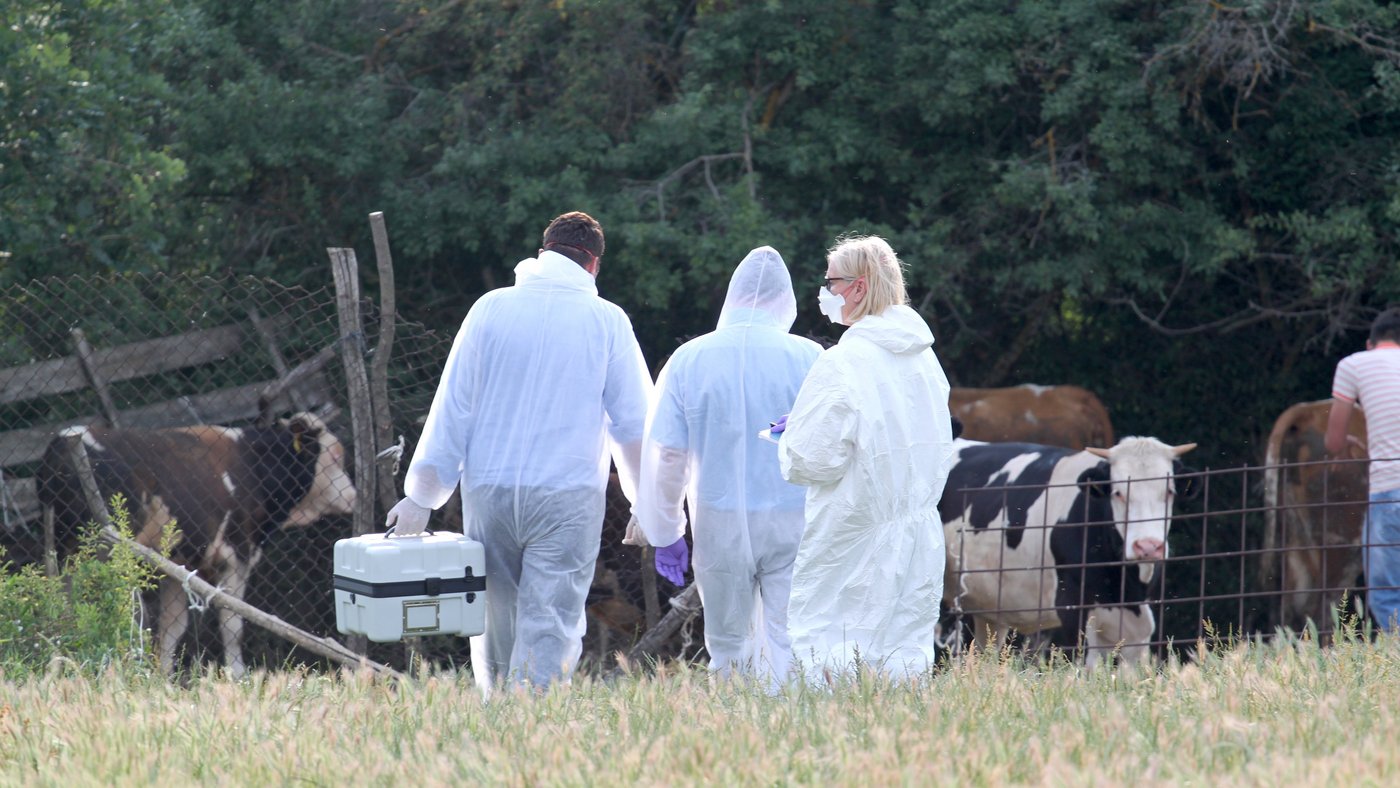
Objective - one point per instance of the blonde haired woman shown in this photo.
(871, 439)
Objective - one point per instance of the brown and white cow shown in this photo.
(1053, 415)
(1314, 517)
(1045, 538)
(227, 489)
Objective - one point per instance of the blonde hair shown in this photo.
(869, 256)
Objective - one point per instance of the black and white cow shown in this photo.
(1047, 538)
(227, 489)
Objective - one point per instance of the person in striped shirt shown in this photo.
(1371, 379)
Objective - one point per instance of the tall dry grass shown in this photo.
(1250, 714)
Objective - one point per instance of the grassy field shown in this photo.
(1245, 715)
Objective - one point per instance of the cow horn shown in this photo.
(1177, 451)
(1097, 452)
(265, 411)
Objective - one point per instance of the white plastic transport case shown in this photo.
(391, 587)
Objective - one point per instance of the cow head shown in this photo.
(331, 490)
(1139, 479)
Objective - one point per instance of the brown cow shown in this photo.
(226, 489)
(1314, 516)
(1053, 415)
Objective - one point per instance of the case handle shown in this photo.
(390, 529)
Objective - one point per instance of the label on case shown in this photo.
(422, 616)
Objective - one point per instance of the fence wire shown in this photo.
(154, 352)
(1262, 550)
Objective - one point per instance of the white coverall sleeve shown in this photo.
(820, 440)
(665, 464)
(437, 463)
(626, 398)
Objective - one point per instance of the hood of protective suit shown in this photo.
(702, 454)
(898, 329)
(760, 292)
(554, 268)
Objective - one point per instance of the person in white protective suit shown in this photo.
(713, 397)
(543, 378)
(871, 438)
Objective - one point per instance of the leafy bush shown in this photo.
(88, 614)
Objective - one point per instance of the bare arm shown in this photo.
(1337, 423)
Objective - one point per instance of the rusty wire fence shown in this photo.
(1259, 550)
(154, 352)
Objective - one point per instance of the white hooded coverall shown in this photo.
(870, 436)
(543, 378)
(716, 393)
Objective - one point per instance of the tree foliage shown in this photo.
(86, 180)
(1176, 204)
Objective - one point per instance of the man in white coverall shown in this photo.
(541, 377)
(713, 397)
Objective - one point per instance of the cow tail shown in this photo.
(1270, 558)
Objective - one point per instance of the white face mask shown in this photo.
(830, 305)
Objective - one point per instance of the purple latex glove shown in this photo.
(671, 562)
(778, 426)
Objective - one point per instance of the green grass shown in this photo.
(1250, 714)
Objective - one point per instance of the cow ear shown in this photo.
(1186, 488)
(1097, 480)
(957, 426)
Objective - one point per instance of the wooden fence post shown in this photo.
(297, 375)
(279, 363)
(684, 606)
(379, 395)
(50, 544)
(379, 368)
(347, 302)
(651, 607)
(104, 394)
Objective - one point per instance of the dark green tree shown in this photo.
(87, 179)
(1177, 204)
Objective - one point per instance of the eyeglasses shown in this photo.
(829, 279)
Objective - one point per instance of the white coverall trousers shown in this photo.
(541, 546)
(743, 567)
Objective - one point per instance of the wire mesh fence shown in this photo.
(167, 361)
(1260, 547)
(1260, 550)
(177, 362)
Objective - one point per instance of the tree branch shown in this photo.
(1254, 313)
(1038, 311)
(659, 187)
(372, 60)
